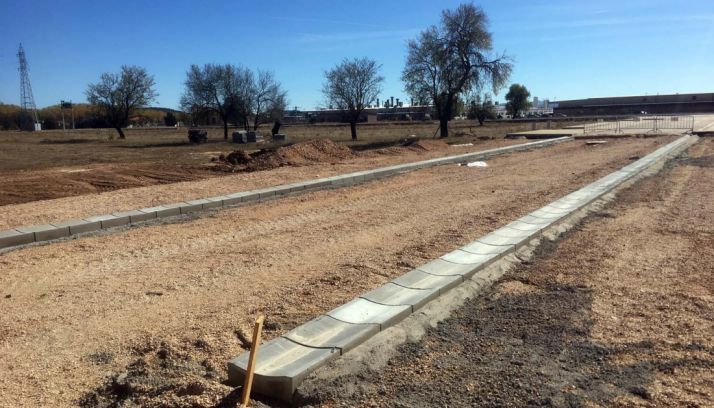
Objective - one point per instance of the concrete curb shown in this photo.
(285, 361)
(38, 233)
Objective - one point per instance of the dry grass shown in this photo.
(26, 151)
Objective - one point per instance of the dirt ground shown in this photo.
(113, 200)
(54, 164)
(149, 315)
(618, 312)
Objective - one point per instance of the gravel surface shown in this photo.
(618, 312)
(149, 315)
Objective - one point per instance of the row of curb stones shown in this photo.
(284, 362)
(47, 232)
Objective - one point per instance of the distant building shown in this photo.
(629, 105)
(371, 114)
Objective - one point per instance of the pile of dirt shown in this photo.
(410, 145)
(165, 374)
(298, 154)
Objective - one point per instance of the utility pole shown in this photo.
(67, 105)
(27, 100)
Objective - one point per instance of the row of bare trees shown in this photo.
(446, 61)
(234, 93)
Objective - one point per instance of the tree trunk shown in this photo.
(255, 123)
(225, 129)
(121, 132)
(444, 126)
(353, 129)
(444, 117)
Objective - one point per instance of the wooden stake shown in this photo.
(248, 384)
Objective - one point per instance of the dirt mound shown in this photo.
(298, 154)
(236, 157)
(166, 374)
(428, 144)
(409, 145)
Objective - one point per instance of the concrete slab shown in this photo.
(567, 205)
(544, 215)
(213, 202)
(541, 222)
(186, 208)
(152, 211)
(45, 232)
(508, 232)
(318, 183)
(525, 226)
(554, 210)
(342, 181)
(546, 133)
(497, 240)
(328, 332)
(78, 226)
(295, 187)
(11, 238)
(361, 311)
(394, 295)
(281, 366)
(218, 200)
(441, 267)
(108, 220)
(267, 192)
(417, 279)
(160, 211)
(134, 216)
(467, 258)
(204, 203)
(477, 247)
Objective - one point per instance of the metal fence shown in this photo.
(647, 124)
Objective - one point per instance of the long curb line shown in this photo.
(284, 362)
(25, 235)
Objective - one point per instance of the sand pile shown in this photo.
(302, 153)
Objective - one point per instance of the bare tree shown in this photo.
(351, 86)
(223, 89)
(116, 96)
(451, 59)
(269, 99)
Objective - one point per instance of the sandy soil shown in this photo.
(113, 200)
(150, 314)
(619, 312)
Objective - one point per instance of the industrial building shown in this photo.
(634, 105)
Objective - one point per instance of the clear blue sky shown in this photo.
(564, 49)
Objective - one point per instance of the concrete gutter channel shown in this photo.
(38, 233)
(284, 362)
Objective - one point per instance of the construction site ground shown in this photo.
(618, 312)
(55, 164)
(149, 315)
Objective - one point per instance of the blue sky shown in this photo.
(562, 49)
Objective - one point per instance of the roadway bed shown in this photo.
(155, 310)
